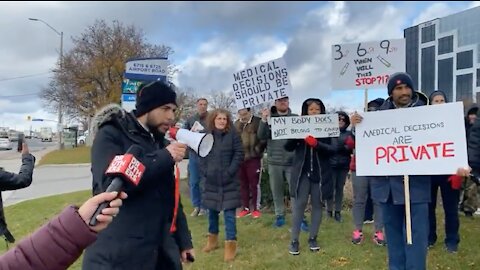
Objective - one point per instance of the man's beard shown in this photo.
(154, 130)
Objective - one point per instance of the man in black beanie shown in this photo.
(389, 192)
(151, 231)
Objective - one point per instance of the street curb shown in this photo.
(65, 165)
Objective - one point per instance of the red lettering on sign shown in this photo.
(445, 150)
(403, 153)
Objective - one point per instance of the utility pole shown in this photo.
(60, 102)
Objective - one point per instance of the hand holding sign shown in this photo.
(355, 119)
(265, 114)
(197, 127)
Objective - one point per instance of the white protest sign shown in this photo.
(426, 140)
(367, 64)
(260, 84)
(298, 127)
(197, 127)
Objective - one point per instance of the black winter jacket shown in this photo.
(138, 237)
(341, 159)
(219, 171)
(276, 154)
(13, 181)
(315, 162)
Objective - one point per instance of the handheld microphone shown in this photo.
(122, 168)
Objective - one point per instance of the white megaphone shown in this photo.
(201, 143)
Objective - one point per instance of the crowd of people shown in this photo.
(151, 227)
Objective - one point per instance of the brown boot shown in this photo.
(212, 243)
(230, 250)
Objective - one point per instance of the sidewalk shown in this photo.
(12, 163)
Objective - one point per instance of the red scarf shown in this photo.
(173, 227)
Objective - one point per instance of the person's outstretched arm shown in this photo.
(12, 181)
(60, 242)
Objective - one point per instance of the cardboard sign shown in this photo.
(197, 127)
(366, 65)
(426, 140)
(260, 84)
(298, 127)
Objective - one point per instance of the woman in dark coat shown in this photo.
(311, 175)
(222, 185)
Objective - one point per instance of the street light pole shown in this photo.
(60, 103)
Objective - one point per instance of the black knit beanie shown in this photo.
(154, 95)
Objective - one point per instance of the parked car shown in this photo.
(5, 143)
(81, 139)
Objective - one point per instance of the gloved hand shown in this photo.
(350, 143)
(311, 141)
(455, 181)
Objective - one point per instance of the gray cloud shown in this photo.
(211, 39)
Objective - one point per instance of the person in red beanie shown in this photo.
(450, 190)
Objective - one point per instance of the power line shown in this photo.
(21, 95)
(25, 76)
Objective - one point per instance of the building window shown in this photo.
(464, 87)
(465, 59)
(445, 77)
(478, 77)
(428, 70)
(411, 47)
(445, 45)
(428, 33)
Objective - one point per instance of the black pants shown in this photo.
(450, 198)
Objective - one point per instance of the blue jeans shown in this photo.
(400, 255)
(194, 180)
(230, 223)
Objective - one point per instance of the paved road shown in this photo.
(52, 179)
(34, 145)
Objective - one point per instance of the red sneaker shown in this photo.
(256, 214)
(245, 212)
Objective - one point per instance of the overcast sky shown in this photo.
(211, 41)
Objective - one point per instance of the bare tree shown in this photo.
(222, 100)
(186, 101)
(92, 71)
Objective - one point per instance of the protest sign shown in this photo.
(298, 127)
(426, 140)
(366, 64)
(260, 84)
